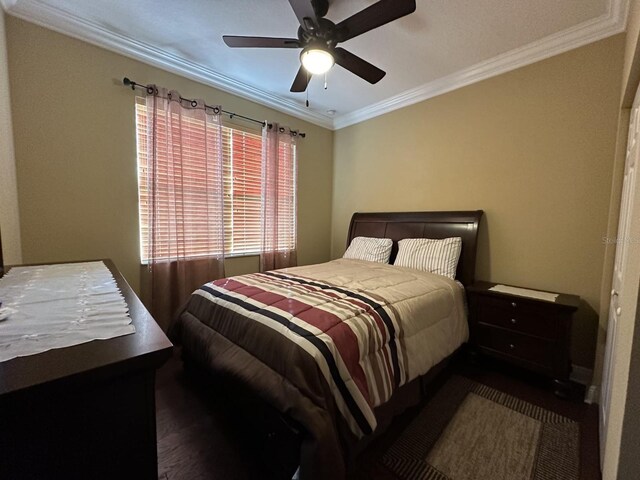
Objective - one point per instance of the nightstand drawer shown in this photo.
(518, 316)
(524, 347)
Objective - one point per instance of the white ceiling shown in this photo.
(445, 44)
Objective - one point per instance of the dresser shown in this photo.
(86, 411)
(528, 332)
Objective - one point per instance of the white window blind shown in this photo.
(242, 184)
(242, 157)
(287, 198)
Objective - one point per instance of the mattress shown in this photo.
(327, 343)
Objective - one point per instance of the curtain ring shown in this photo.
(281, 130)
(194, 104)
(216, 110)
(151, 90)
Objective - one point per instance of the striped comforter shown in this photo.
(345, 334)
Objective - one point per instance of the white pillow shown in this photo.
(430, 255)
(370, 249)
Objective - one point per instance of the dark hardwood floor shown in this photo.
(202, 434)
(197, 435)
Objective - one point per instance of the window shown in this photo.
(287, 198)
(242, 160)
(242, 153)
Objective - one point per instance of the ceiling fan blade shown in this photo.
(374, 16)
(306, 13)
(260, 42)
(358, 66)
(301, 81)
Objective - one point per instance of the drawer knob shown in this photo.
(512, 346)
(514, 321)
(513, 304)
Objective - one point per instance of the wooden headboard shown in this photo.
(397, 226)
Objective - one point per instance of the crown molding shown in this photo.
(68, 24)
(7, 4)
(608, 24)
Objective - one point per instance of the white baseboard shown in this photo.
(581, 375)
(591, 396)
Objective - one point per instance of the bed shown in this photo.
(337, 349)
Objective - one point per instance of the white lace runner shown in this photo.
(56, 306)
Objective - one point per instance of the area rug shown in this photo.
(469, 431)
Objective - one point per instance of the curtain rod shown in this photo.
(130, 83)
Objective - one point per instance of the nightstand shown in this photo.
(528, 332)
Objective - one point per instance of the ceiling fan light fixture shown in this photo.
(316, 60)
(319, 37)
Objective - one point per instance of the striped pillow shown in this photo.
(430, 255)
(370, 249)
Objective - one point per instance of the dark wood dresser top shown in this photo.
(563, 301)
(147, 348)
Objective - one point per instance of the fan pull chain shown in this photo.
(325, 80)
(307, 90)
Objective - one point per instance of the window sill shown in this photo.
(144, 263)
(241, 255)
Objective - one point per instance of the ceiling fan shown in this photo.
(318, 37)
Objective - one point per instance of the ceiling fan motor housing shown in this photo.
(322, 37)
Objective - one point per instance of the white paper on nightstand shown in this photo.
(525, 292)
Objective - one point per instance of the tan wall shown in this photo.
(76, 152)
(621, 449)
(9, 215)
(533, 148)
(630, 80)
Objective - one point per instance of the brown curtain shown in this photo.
(278, 216)
(182, 211)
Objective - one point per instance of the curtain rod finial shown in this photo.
(127, 82)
